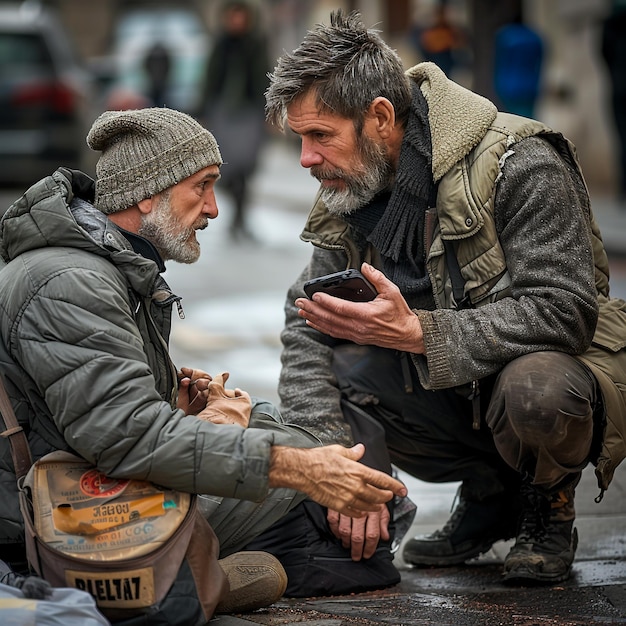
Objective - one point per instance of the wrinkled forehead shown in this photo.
(313, 101)
(306, 115)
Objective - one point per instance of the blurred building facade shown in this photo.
(574, 84)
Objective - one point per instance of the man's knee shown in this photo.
(266, 416)
(541, 394)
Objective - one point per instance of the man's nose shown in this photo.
(209, 208)
(309, 155)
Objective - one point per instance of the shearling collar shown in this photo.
(458, 117)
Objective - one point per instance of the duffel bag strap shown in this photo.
(20, 450)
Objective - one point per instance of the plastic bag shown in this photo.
(64, 607)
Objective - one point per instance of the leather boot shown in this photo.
(546, 540)
(472, 529)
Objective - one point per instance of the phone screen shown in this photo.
(348, 285)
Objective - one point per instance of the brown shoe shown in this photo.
(257, 579)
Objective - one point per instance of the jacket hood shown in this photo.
(57, 212)
(458, 117)
(42, 218)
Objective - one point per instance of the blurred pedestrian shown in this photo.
(519, 53)
(157, 65)
(441, 42)
(613, 49)
(233, 101)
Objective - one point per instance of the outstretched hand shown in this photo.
(333, 477)
(387, 321)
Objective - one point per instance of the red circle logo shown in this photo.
(98, 485)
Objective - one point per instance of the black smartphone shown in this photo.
(349, 285)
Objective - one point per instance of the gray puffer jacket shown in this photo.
(84, 325)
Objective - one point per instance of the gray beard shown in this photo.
(345, 201)
(167, 235)
(374, 174)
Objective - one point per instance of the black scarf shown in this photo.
(396, 227)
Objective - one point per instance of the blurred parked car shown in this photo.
(44, 97)
(181, 34)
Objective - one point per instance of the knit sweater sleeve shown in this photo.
(308, 388)
(543, 226)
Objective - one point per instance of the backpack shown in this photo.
(315, 561)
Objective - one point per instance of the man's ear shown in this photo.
(145, 206)
(383, 116)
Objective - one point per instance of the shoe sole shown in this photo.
(453, 559)
(530, 577)
(257, 579)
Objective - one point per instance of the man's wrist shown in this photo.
(284, 467)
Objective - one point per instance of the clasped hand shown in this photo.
(387, 321)
(204, 395)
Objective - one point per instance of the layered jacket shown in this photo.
(84, 327)
(512, 213)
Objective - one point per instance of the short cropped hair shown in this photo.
(347, 65)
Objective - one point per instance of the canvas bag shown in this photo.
(98, 544)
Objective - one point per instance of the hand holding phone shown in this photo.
(348, 285)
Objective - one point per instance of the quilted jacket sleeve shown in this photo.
(86, 356)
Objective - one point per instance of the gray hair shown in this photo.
(348, 66)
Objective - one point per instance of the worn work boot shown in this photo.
(546, 541)
(257, 579)
(471, 530)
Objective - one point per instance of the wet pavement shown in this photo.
(233, 299)
(474, 595)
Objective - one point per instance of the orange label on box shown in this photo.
(90, 520)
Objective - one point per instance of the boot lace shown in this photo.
(458, 509)
(535, 517)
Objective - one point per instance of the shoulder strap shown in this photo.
(458, 283)
(457, 280)
(20, 450)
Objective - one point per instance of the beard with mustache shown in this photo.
(173, 240)
(372, 173)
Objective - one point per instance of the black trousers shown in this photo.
(538, 416)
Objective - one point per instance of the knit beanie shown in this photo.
(145, 151)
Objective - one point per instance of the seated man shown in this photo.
(84, 329)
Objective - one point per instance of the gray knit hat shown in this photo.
(145, 151)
